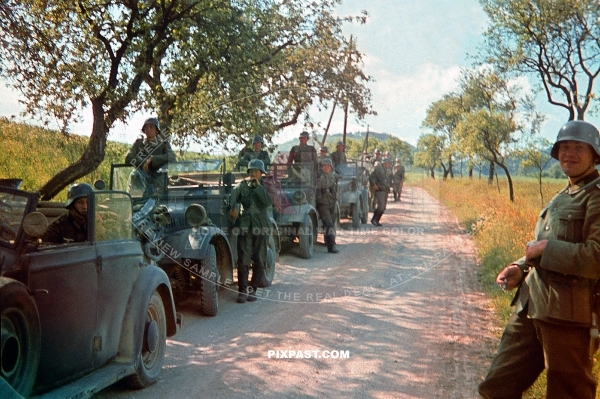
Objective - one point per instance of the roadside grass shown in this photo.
(500, 229)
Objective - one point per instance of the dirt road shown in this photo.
(400, 300)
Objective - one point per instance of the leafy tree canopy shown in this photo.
(213, 71)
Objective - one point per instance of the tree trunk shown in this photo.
(90, 159)
(491, 174)
(432, 173)
(510, 183)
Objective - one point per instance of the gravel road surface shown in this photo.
(396, 314)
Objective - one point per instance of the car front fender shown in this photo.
(151, 278)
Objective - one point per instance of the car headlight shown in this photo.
(195, 215)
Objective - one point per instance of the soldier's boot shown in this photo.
(331, 247)
(379, 214)
(242, 285)
(374, 218)
(257, 275)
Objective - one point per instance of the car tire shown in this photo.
(209, 284)
(269, 272)
(20, 336)
(364, 215)
(306, 239)
(154, 342)
(355, 216)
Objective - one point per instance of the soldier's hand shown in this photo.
(510, 277)
(146, 165)
(254, 183)
(234, 213)
(375, 187)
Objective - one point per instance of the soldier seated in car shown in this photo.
(71, 227)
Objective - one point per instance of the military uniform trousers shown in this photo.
(520, 360)
(381, 200)
(326, 213)
(252, 248)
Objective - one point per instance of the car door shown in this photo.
(63, 280)
(119, 257)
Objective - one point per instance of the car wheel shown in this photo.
(306, 237)
(364, 215)
(269, 271)
(21, 337)
(355, 215)
(154, 341)
(209, 283)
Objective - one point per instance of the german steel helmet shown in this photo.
(323, 148)
(386, 160)
(256, 164)
(304, 134)
(327, 161)
(151, 121)
(77, 191)
(258, 139)
(340, 143)
(578, 131)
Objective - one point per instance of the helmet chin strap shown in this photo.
(575, 179)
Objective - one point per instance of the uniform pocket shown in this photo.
(569, 299)
(570, 228)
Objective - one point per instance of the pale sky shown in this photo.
(413, 50)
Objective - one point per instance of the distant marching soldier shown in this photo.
(254, 231)
(326, 203)
(398, 180)
(379, 181)
(256, 153)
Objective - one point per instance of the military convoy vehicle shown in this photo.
(295, 205)
(181, 213)
(353, 192)
(78, 317)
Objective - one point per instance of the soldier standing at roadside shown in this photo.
(555, 323)
(254, 228)
(379, 181)
(326, 184)
(256, 153)
(398, 180)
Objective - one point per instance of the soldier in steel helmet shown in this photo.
(254, 229)
(555, 323)
(71, 227)
(339, 156)
(255, 153)
(323, 153)
(380, 184)
(326, 184)
(304, 152)
(151, 152)
(398, 179)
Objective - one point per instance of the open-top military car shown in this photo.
(182, 215)
(353, 194)
(78, 317)
(295, 209)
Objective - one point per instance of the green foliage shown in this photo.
(555, 41)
